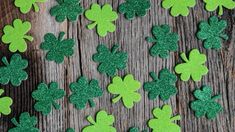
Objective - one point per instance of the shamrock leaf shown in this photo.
(110, 61)
(102, 17)
(126, 90)
(13, 72)
(164, 86)
(15, 35)
(25, 124)
(58, 48)
(66, 9)
(5, 103)
(132, 8)
(212, 5)
(178, 7)
(212, 32)
(163, 122)
(26, 5)
(193, 67)
(205, 103)
(164, 40)
(46, 97)
(83, 92)
(103, 123)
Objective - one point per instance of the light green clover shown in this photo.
(212, 5)
(26, 5)
(5, 103)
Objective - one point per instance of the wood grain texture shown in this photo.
(131, 36)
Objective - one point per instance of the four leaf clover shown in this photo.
(58, 48)
(212, 5)
(26, 5)
(212, 32)
(5, 103)
(163, 122)
(102, 17)
(132, 8)
(15, 35)
(194, 66)
(126, 90)
(164, 40)
(103, 123)
(205, 103)
(110, 61)
(46, 97)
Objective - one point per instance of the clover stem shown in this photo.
(114, 48)
(116, 99)
(36, 8)
(91, 103)
(4, 60)
(30, 38)
(91, 120)
(15, 122)
(183, 56)
(153, 76)
(92, 25)
(175, 118)
(220, 10)
(56, 106)
(61, 35)
(216, 97)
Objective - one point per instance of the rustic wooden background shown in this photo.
(131, 36)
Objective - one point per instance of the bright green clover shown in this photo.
(126, 90)
(13, 72)
(103, 123)
(194, 66)
(178, 7)
(57, 48)
(163, 121)
(69, 9)
(25, 124)
(102, 17)
(212, 5)
(46, 96)
(212, 32)
(5, 104)
(26, 5)
(205, 103)
(15, 35)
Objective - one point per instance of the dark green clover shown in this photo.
(70, 130)
(132, 8)
(136, 129)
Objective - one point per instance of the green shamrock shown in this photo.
(164, 40)
(15, 35)
(136, 129)
(164, 86)
(26, 5)
(66, 9)
(83, 92)
(194, 66)
(178, 7)
(212, 32)
(212, 5)
(25, 124)
(103, 123)
(58, 48)
(13, 72)
(132, 8)
(110, 61)
(102, 17)
(205, 103)
(5, 103)
(46, 97)
(163, 122)
(126, 90)
(70, 130)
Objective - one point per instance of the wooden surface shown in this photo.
(131, 36)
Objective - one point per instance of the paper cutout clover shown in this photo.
(164, 41)
(13, 72)
(16, 36)
(136, 129)
(102, 18)
(126, 90)
(26, 5)
(69, 9)
(178, 7)
(163, 86)
(70, 130)
(57, 48)
(194, 66)
(26, 123)
(212, 32)
(132, 8)
(212, 5)
(5, 104)
(205, 103)
(103, 123)
(84, 91)
(163, 121)
(110, 60)
(46, 97)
